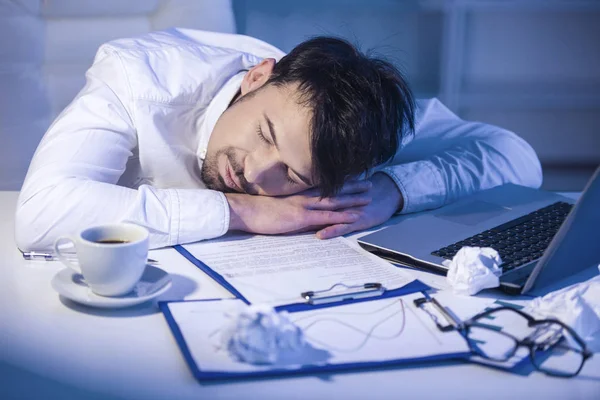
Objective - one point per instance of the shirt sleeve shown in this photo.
(450, 158)
(72, 179)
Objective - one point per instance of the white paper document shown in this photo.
(372, 331)
(277, 269)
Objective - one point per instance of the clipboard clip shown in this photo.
(454, 323)
(348, 292)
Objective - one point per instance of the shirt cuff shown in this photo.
(420, 184)
(198, 214)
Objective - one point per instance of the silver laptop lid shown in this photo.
(576, 245)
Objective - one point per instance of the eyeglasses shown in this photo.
(496, 334)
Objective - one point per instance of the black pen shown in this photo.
(40, 256)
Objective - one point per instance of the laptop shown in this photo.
(542, 237)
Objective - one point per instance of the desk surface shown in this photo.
(52, 348)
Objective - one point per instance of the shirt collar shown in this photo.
(217, 106)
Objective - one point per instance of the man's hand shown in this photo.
(387, 200)
(298, 213)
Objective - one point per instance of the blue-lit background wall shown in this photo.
(532, 66)
(527, 65)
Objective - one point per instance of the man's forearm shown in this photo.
(238, 207)
(173, 216)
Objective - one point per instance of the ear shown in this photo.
(257, 76)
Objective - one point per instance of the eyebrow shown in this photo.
(274, 137)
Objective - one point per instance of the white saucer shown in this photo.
(71, 285)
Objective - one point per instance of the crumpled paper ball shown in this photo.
(473, 269)
(577, 305)
(258, 334)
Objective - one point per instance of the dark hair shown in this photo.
(361, 106)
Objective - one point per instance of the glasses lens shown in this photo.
(491, 344)
(496, 335)
(557, 352)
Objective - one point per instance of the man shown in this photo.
(193, 134)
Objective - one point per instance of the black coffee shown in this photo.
(112, 241)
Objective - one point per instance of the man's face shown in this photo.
(260, 144)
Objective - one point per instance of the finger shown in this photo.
(338, 202)
(323, 218)
(335, 231)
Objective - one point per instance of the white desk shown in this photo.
(50, 348)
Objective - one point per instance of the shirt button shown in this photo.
(203, 153)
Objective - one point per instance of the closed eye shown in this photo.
(288, 177)
(287, 170)
(260, 134)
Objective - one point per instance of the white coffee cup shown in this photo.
(109, 269)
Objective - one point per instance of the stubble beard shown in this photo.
(210, 172)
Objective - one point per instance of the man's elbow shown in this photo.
(534, 178)
(523, 165)
(529, 169)
(33, 227)
(24, 227)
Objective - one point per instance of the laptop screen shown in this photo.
(576, 246)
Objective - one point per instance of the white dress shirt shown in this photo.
(131, 145)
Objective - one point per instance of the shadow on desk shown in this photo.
(181, 287)
(18, 383)
(331, 377)
(524, 370)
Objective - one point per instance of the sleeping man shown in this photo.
(193, 134)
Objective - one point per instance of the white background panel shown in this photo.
(17, 145)
(23, 96)
(211, 15)
(20, 39)
(20, 7)
(74, 40)
(98, 8)
(63, 82)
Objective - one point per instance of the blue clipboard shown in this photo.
(207, 376)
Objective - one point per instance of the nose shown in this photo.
(258, 166)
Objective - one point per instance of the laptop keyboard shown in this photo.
(518, 241)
